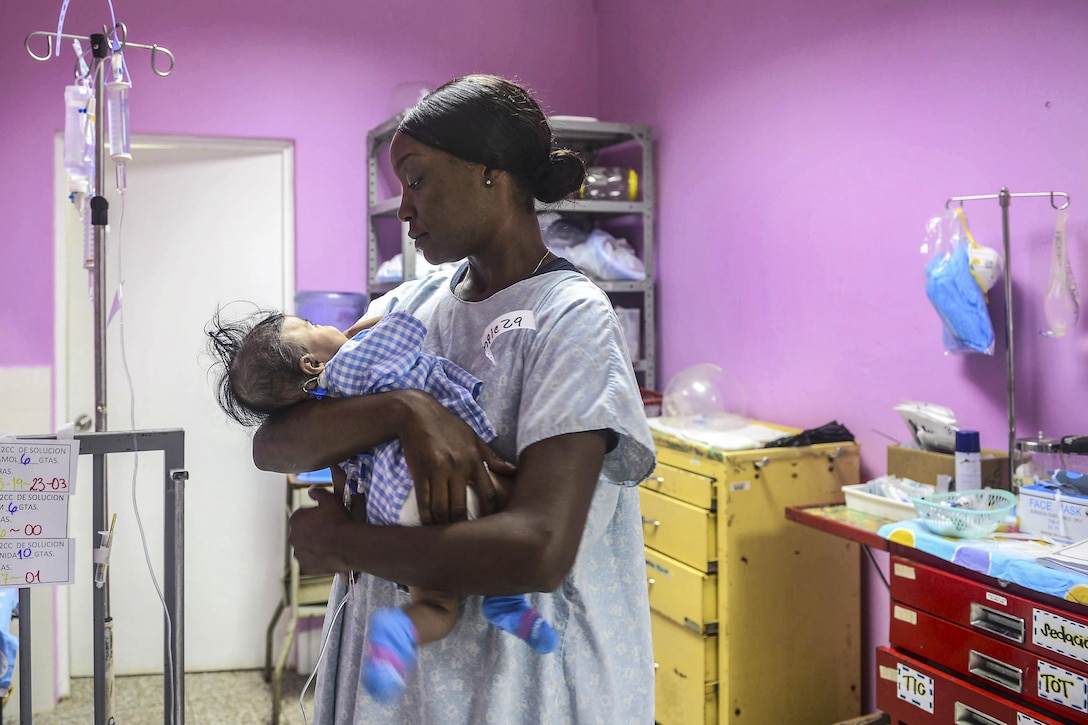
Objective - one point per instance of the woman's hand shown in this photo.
(313, 531)
(445, 457)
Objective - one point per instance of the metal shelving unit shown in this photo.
(589, 139)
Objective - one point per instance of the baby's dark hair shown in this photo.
(257, 371)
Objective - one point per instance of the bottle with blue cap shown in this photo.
(968, 461)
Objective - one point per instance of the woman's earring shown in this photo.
(487, 181)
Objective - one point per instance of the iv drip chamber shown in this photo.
(117, 105)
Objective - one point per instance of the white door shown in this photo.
(203, 222)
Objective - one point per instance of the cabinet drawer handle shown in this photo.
(761, 462)
(650, 522)
(999, 623)
(995, 671)
(970, 716)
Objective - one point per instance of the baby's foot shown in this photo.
(514, 615)
(536, 632)
(389, 654)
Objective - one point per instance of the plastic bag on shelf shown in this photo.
(392, 269)
(606, 258)
(562, 234)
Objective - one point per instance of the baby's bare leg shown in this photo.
(433, 613)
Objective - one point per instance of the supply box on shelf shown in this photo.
(1041, 512)
(926, 466)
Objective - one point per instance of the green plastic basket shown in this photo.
(965, 514)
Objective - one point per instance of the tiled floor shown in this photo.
(213, 698)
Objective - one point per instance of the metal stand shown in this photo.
(172, 444)
(1005, 198)
(117, 39)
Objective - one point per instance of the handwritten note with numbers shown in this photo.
(38, 466)
(35, 563)
(36, 479)
(33, 516)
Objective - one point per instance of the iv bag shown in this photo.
(1061, 305)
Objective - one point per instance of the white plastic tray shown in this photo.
(859, 499)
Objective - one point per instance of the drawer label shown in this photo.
(905, 615)
(1022, 719)
(914, 687)
(1063, 687)
(1059, 634)
(997, 599)
(740, 486)
(658, 568)
(903, 571)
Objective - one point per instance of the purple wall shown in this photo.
(801, 149)
(802, 146)
(319, 73)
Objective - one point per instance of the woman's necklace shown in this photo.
(538, 264)
(460, 288)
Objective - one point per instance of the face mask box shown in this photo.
(1041, 512)
(926, 466)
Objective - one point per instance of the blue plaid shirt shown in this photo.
(389, 356)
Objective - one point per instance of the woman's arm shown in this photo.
(529, 546)
(319, 433)
(442, 452)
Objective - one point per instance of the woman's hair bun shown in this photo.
(561, 176)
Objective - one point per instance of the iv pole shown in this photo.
(102, 633)
(1005, 198)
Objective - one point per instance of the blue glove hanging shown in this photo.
(960, 302)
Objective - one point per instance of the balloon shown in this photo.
(703, 390)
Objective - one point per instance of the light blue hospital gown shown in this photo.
(551, 356)
(389, 356)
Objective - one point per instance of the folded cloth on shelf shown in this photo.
(1005, 556)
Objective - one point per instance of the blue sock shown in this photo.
(514, 615)
(389, 654)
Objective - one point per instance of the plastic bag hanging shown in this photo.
(951, 286)
(1061, 305)
(987, 265)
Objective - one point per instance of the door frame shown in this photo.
(58, 609)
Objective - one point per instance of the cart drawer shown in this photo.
(685, 595)
(686, 673)
(680, 530)
(912, 691)
(693, 488)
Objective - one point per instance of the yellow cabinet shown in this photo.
(685, 672)
(756, 619)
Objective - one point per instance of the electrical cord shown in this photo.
(869, 553)
(324, 644)
(136, 455)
